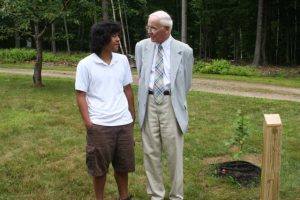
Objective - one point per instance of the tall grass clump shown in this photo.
(17, 55)
(63, 57)
(223, 67)
(20, 55)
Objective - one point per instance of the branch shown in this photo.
(65, 5)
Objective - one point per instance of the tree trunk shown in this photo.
(241, 43)
(287, 55)
(258, 43)
(67, 34)
(53, 42)
(200, 39)
(123, 30)
(205, 43)
(114, 16)
(264, 60)
(277, 33)
(82, 36)
(183, 21)
(37, 73)
(104, 9)
(127, 31)
(235, 47)
(17, 40)
(113, 9)
(296, 34)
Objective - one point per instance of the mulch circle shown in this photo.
(245, 173)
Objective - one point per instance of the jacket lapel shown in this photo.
(175, 57)
(148, 56)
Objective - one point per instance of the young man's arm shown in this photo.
(83, 108)
(130, 98)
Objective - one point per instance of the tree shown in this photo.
(240, 30)
(183, 21)
(104, 9)
(295, 32)
(258, 43)
(67, 33)
(53, 40)
(123, 29)
(127, 30)
(17, 39)
(39, 14)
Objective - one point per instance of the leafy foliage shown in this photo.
(17, 55)
(73, 58)
(240, 134)
(21, 13)
(21, 55)
(215, 29)
(223, 67)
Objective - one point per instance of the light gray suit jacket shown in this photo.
(181, 58)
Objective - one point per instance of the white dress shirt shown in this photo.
(166, 49)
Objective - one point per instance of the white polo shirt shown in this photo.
(103, 84)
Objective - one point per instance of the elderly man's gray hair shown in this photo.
(165, 19)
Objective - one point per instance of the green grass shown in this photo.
(277, 81)
(42, 144)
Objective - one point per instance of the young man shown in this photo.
(106, 104)
(165, 73)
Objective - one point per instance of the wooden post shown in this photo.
(271, 158)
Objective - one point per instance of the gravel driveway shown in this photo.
(200, 84)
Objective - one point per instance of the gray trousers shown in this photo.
(161, 132)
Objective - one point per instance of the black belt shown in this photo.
(166, 92)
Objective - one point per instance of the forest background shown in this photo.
(262, 32)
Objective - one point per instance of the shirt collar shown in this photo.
(98, 60)
(167, 43)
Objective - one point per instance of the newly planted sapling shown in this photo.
(239, 135)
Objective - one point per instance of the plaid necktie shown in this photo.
(158, 88)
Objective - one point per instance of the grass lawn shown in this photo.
(42, 144)
(277, 80)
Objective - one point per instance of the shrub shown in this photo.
(199, 65)
(223, 67)
(72, 58)
(21, 55)
(17, 55)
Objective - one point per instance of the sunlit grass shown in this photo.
(42, 144)
(278, 81)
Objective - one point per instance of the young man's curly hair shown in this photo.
(101, 35)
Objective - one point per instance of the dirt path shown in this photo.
(208, 85)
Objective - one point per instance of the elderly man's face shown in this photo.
(156, 32)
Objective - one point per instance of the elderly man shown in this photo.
(165, 74)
